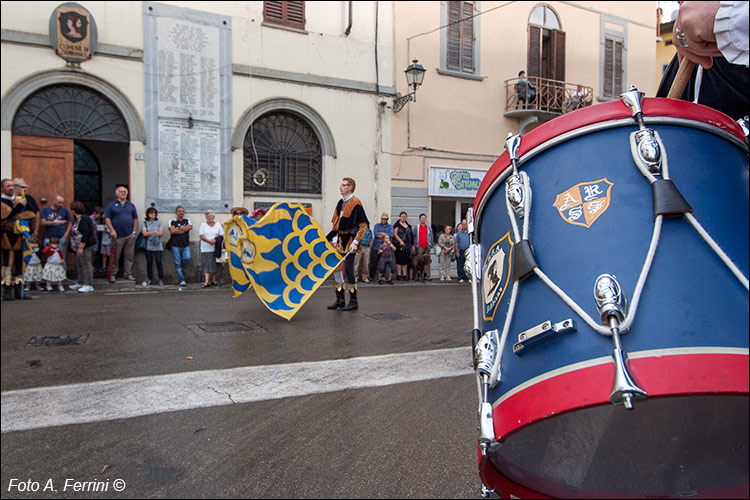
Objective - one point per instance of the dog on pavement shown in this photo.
(418, 265)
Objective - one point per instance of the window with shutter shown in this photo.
(285, 13)
(559, 49)
(467, 37)
(612, 82)
(534, 60)
(459, 50)
(546, 49)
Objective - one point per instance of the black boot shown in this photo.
(340, 300)
(18, 292)
(7, 293)
(353, 304)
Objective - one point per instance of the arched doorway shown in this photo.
(87, 175)
(48, 127)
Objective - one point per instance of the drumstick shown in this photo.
(681, 79)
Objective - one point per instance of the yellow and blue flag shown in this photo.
(23, 227)
(284, 256)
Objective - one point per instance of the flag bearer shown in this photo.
(349, 225)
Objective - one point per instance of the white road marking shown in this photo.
(132, 397)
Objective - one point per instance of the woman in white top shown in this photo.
(209, 230)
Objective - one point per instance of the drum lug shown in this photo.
(485, 355)
(610, 299)
(633, 99)
(471, 266)
(611, 304)
(542, 333)
(516, 187)
(516, 190)
(513, 145)
(648, 150)
(626, 390)
(486, 426)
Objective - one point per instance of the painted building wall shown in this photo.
(458, 122)
(665, 49)
(322, 68)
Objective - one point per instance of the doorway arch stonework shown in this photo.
(13, 99)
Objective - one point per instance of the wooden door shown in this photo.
(46, 164)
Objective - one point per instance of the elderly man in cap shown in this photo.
(22, 190)
(379, 231)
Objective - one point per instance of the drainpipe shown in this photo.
(349, 28)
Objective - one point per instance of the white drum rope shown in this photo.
(717, 249)
(495, 376)
(690, 217)
(625, 326)
(572, 304)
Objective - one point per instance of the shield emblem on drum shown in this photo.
(585, 202)
(496, 273)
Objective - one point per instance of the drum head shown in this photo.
(608, 452)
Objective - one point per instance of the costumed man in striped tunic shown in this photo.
(13, 209)
(349, 225)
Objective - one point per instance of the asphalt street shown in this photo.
(133, 392)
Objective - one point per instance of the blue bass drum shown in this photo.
(614, 264)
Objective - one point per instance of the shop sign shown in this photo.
(455, 182)
(72, 32)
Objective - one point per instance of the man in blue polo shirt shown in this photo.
(121, 218)
(57, 221)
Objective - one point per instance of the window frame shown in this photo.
(284, 174)
(284, 21)
(475, 46)
(609, 31)
(536, 41)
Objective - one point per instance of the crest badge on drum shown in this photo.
(585, 202)
(496, 274)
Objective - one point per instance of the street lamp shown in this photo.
(414, 78)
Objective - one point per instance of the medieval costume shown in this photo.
(349, 223)
(12, 246)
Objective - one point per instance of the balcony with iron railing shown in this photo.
(537, 99)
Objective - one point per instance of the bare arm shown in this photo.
(112, 232)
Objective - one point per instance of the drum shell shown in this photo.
(689, 340)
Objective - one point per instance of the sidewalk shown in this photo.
(101, 285)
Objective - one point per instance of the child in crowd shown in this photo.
(54, 269)
(33, 273)
(97, 217)
(106, 246)
(386, 258)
